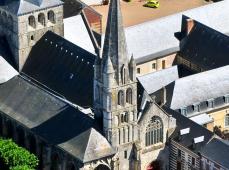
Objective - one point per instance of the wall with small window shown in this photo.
(155, 64)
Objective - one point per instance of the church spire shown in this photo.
(115, 42)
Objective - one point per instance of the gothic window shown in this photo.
(51, 16)
(129, 95)
(123, 76)
(124, 135)
(124, 117)
(119, 136)
(41, 19)
(32, 21)
(121, 98)
(154, 131)
(227, 120)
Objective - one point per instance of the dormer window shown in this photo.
(226, 98)
(183, 111)
(210, 103)
(196, 107)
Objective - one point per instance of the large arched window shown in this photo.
(32, 21)
(121, 98)
(227, 120)
(41, 19)
(154, 131)
(129, 96)
(51, 16)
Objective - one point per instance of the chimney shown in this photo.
(189, 25)
(163, 96)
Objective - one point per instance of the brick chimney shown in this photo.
(189, 25)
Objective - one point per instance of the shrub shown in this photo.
(15, 157)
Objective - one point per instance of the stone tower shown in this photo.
(115, 87)
(24, 22)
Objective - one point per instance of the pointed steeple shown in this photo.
(108, 67)
(132, 61)
(115, 41)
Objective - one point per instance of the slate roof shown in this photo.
(156, 80)
(198, 87)
(6, 71)
(54, 120)
(155, 38)
(72, 24)
(205, 47)
(20, 7)
(96, 146)
(218, 151)
(72, 8)
(196, 130)
(63, 67)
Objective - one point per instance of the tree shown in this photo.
(15, 157)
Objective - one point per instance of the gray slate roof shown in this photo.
(156, 38)
(198, 87)
(205, 47)
(156, 80)
(20, 7)
(79, 37)
(52, 119)
(95, 147)
(218, 151)
(62, 67)
(6, 71)
(196, 130)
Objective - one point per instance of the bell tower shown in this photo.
(115, 87)
(24, 22)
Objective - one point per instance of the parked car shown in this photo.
(152, 4)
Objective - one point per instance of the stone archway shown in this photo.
(154, 165)
(102, 167)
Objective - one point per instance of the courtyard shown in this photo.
(134, 13)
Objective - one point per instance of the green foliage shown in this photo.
(17, 158)
(23, 167)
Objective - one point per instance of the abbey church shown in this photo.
(80, 110)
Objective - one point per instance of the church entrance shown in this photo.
(102, 167)
(154, 165)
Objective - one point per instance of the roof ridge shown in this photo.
(88, 141)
